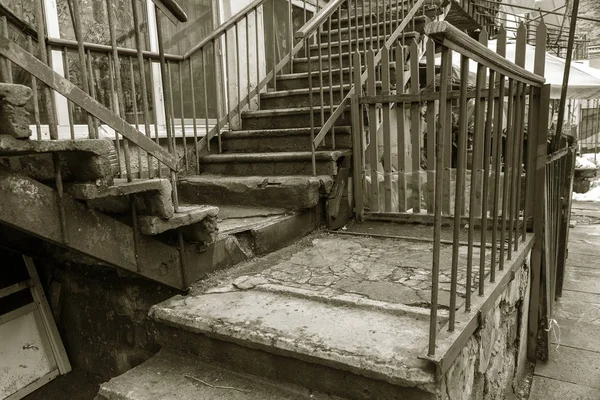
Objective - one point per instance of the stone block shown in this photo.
(14, 117)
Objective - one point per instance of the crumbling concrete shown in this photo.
(14, 117)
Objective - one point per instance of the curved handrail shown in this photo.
(318, 19)
(448, 35)
(174, 8)
(224, 26)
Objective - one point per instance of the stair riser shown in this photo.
(270, 168)
(302, 100)
(280, 366)
(300, 120)
(302, 83)
(289, 197)
(283, 143)
(335, 47)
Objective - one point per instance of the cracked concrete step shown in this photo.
(365, 354)
(276, 163)
(275, 140)
(288, 118)
(288, 192)
(362, 43)
(187, 215)
(86, 160)
(152, 196)
(301, 97)
(175, 376)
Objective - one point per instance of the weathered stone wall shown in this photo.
(493, 361)
(101, 316)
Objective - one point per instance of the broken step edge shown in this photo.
(186, 216)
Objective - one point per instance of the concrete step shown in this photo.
(198, 221)
(273, 317)
(152, 196)
(288, 192)
(282, 99)
(269, 164)
(86, 160)
(175, 376)
(362, 43)
(273, 140)
(287, 118)
(299, 80)
(370, 30)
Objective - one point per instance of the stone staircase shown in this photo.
(245, 339)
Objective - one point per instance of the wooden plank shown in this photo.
(37, 292)
(401, 132)
(373, 145)
(30, 63)
(387, 131)
(9, 316)
(431, 131)
(415, 129)
(447, 35)
(17, 287)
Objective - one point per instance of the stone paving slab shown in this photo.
(568, 364)
(552, 389)
(570, 295)
(583, 260)
(582, 279)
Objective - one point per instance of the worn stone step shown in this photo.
(301, 97)
(197, 221)
(274, 140)
(370, 30)
(175, 376)
(86, 160)
(363, 43)
(152, 196)
(365, 354)
(288, 192)
(281, 163)
(299, 80)
(288, 118)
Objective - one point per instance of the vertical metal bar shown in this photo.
(114, 106)
(257, 54)
(321, 99)
(357, 142)
(387, 131)
(181, 105)
(373, 145)
(415, 128)
(69, 104)
(248, 55)
(459, 196)
(34, 91)
(92, 91)
(171, 104)
(507, 171)
(75, 17)
(135, 113)
(227, 82)
(443, 131)
(330, 51)
(205, 91)
(290, 37)
(155, 118)
(7, 65)
(275, 46)
(237, 70)
(341, 56)
(430, 74)
(218, 97)
(312, 110)
(143, 86)
(196, 150)
(401, 131)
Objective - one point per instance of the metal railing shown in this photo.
(340, 30)
(499, 177)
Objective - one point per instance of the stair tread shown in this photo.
(186, 215)
(10, 146)
(120, 187)
(275, 318)
(282, 93)
(278, 112)
(324, 155)
(276, 132)
(170, 376)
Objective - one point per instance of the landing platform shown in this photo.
(357, 303)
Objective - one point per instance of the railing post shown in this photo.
(357, 141)
(540, 106)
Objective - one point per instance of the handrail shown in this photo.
(14, 19)
(103, 48)
(172, 7)
(224, 26)
(318, 19)
(41, 71)
(449, 36)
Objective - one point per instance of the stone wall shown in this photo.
(493, 361)
(101, 316)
